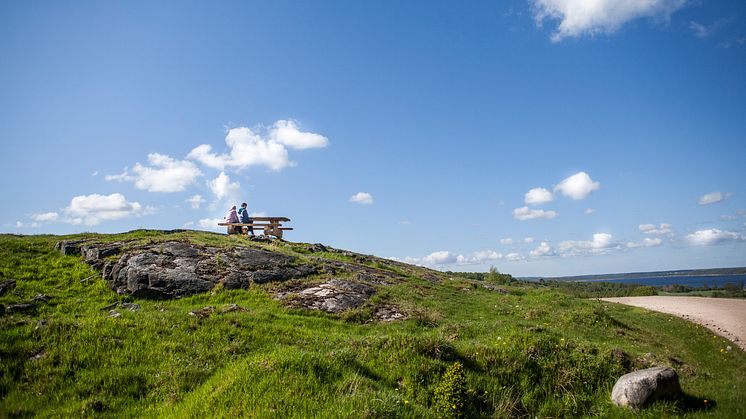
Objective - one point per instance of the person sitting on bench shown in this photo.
(232, 217)
(243, 216)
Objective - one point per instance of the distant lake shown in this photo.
(716, 281)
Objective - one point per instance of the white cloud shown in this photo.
(514, 257)
(592, 17)
(713, 198)
(249, 148)
(661, 230)
(441, 257)
(46, 216)
(738, 215)
(538, 196)
(195, 201)
(589, 211)
(702, 30)
(543, 249)
(712, 236)
(577, 186)
(528, 239)
(404, 222)
(506, 240)
(223, 188)
(363, 198)
(258, 214)
(524, 213)
(479, 257)
(165, 175)
(287, 133)
(19, 224)
(646, 242)
(93, 209)
(601, 243)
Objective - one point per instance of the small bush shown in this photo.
(450, 393)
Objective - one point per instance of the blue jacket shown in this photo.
(243, 215)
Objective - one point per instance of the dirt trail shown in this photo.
(724, 316)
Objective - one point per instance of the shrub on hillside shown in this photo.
(450, 393)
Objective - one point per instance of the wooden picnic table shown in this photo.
(271, 226)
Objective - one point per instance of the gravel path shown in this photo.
(724, 316)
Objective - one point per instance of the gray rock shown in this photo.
(69, 248)
(334, 296)
(641, 388)
(318, 247)
(20, 307)
(7, 286)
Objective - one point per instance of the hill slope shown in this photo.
(298, 330)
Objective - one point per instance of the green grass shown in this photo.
(533, 352)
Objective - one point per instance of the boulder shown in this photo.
(334, 296)
(7, 286)
(643, 387)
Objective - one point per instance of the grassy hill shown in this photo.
(463, 348)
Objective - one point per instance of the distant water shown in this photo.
(715, 281)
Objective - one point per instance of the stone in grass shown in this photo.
(643, 387)
(7, 286)
(203, 312)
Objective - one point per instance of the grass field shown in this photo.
(464, 351)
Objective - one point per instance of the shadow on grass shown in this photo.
(689, 404)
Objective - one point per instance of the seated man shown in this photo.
(243, 216)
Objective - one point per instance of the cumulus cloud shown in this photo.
(662, 229)
(712, 198)
(514, 257)
(524, 213)
(444, 257)
(577, 186)
(601, 244)
(164, 175)
(712, 236)
(506, 240)
(543, 249)
(93, 209)
(287, 133)
(46, 217)
(248, 147)
(441, 257)
(646, 242)
(592, 17)
(363, 198)
(196, 201)
(528, 239)
(223, 188)
(479, 257)
(589, 211)
(538, 196)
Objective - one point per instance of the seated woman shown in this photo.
(232, 217)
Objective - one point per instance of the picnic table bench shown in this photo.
(271, 226)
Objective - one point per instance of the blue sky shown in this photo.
(544, 137)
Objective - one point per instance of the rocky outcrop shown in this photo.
(176, 269)
(641, 388)
(333, 296)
